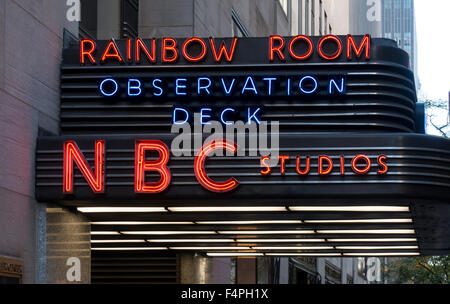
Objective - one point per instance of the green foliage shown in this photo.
(419, 270)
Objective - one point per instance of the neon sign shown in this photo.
(222, 86)
(360, 165)
(195, 50)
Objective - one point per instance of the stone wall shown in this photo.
(31, 40)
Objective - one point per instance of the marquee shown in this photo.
(351, 176)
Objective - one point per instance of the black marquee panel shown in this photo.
(416, 163)
(380, 93)
(374, 116)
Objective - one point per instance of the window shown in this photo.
(302, 271)
(284, 5)
(332, 274)
(407, 3)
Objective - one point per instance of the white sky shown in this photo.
(433, 37)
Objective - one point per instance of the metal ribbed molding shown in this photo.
(379, 98)
(413, 163)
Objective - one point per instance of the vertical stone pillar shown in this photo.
(68, 247)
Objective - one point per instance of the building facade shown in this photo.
(43, 238)
(399, 24)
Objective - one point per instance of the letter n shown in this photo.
(73, 154)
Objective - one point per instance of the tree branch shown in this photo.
(427, 268)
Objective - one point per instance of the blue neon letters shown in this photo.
(219, 86)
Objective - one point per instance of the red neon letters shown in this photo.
(382, 163)
(277, 46)
(307, 54)
(360, 158)
(111, 52)
(351, 45)
(140, 46)
(268, 170)
(361, 165)
(223, 50)
(199, 166)
(330, 56)
(72, 153)
(299, 48)
(323, 159)
(142, 165)
(87, 51)
(283, 159)
(202, 54)
(169, 45)
(306, 171)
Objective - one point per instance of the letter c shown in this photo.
(199, 166)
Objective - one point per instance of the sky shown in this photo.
(433, 37)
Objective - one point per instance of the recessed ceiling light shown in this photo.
(373, 231)
(191, 241)
(141, 223)
(350, 208)
(279, 240)
(120, 209)
(304, 254)
(375, 247)
(252, 232)
(104, 232)
(373, 254)
(374, 240)
(294, 248)
(368, 221)
(130, 248)
(230, 254)
(250, 222)
(227, 209)
(156, 232)
(117, 241)
(209, 248)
